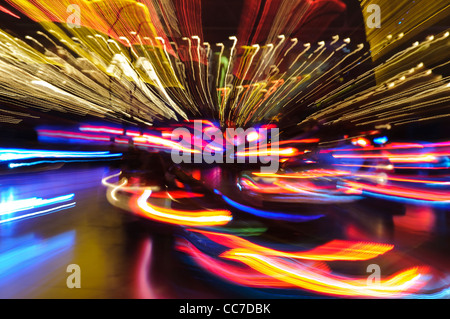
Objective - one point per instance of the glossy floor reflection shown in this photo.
(123, 256)
(119, 257)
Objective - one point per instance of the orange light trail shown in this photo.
(290, 151)
(243, 276)
(292, 272)
(305, 270)
(3, 9)
(179, 217)
(334, 250)
(306, 174)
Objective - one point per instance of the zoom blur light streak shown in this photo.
(21, 154)
(403, 194)
(15, 165)
(13, 156)
(269, 268)
(184, 218)
(138, 204)
(288, 152)
(382, 185)
(50, 135)
(114, 135)
(301, 186)
(272, 215)
(309, 174)
(400, 284)
(399, 158)
(399, 155)
(334, 250)
(142, 62)
(147, 61)
(9, 209)
(235, 274)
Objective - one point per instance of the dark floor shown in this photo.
(121, 256)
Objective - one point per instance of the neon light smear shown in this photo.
(188, 218)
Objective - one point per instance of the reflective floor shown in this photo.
(125, 256)
(224, 149)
